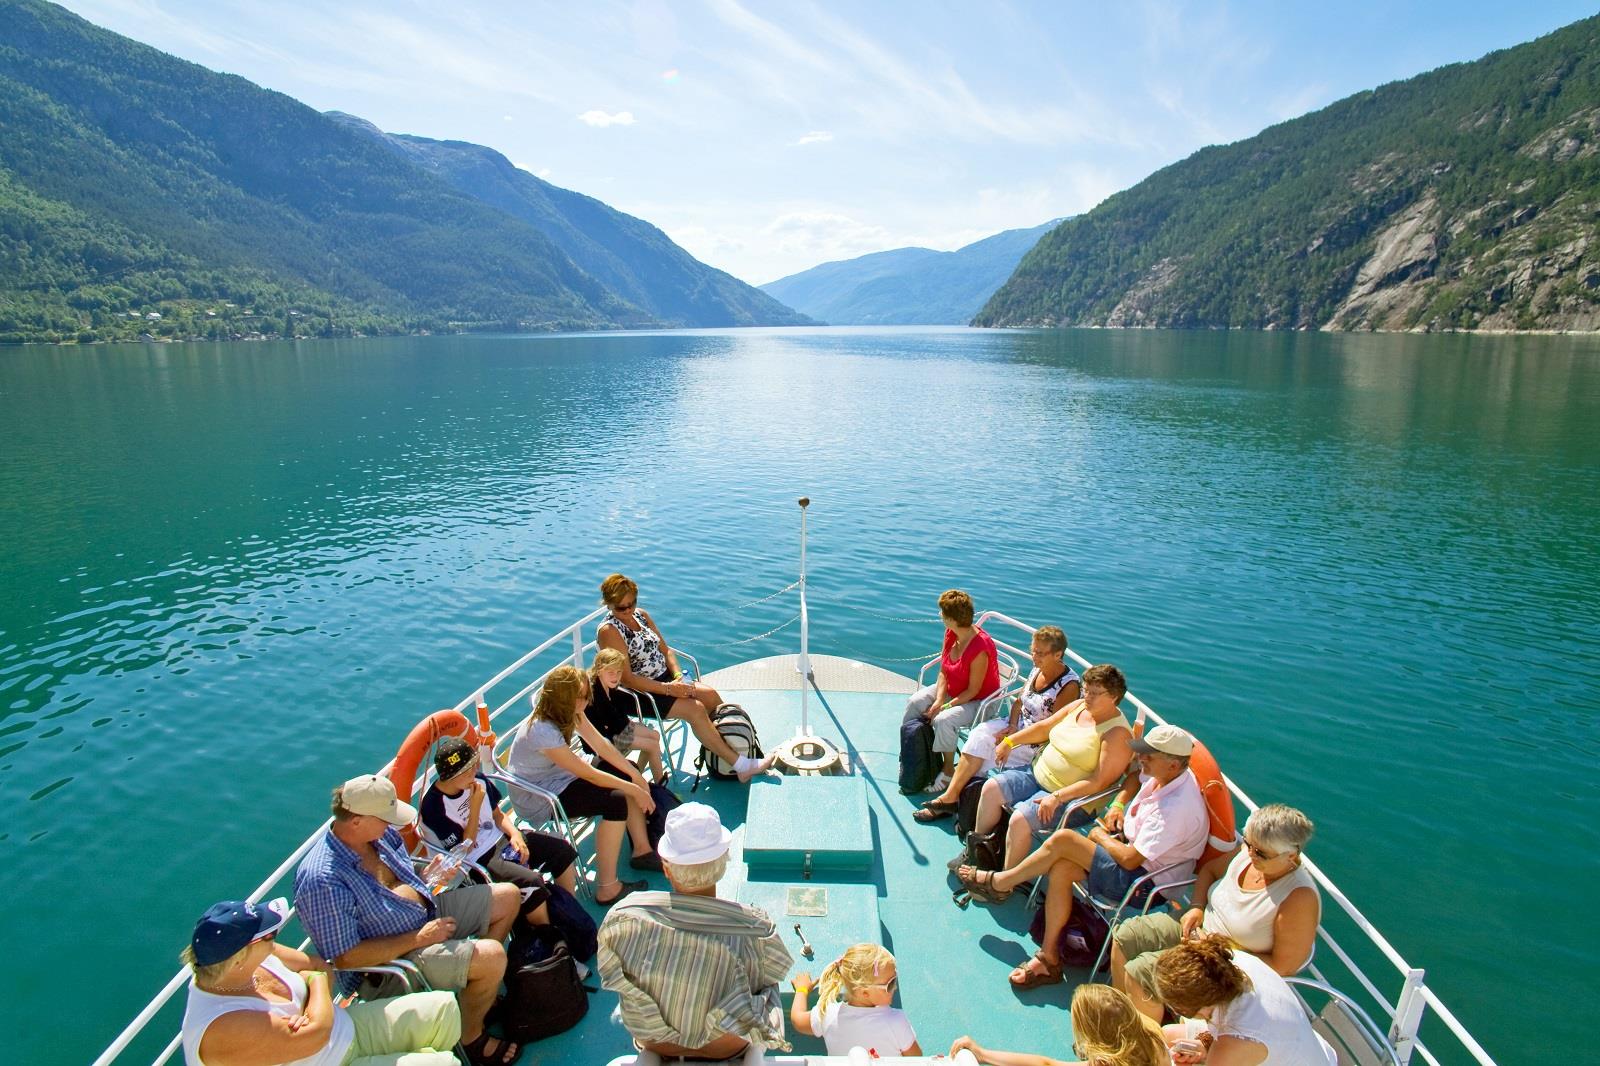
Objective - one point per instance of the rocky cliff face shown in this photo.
(1466, 198)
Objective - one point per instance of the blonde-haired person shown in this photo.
(542, 755)
(853, 1005)
(1259, 897)
(254, 1001)
(1251, 1016)
(654, 673)
(1106, 1031)
(609, 713)
(1051, 686)
(969, 673)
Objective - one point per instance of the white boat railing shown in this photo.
(1405, 1014)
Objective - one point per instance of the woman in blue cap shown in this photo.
(254, 1000)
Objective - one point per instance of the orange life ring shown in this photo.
(428, 732)
(1223, 837)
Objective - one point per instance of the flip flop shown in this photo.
(628, 888)
(1031, 978)
(507, 1053)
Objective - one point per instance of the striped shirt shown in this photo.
(692, 968)
(340, 904)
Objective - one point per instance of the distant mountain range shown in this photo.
(143, 194)
(1465, 198)
(907, 286)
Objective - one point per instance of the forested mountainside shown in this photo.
(1465, 198)
(142, 194)
(628, 255)
(907, 286)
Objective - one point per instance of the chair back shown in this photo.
(1349, 1029)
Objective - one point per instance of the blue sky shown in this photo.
(769, 137)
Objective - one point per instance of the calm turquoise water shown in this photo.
(1364, 568)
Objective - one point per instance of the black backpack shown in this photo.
(573, 923)
(544, 995)
(1081, 940)
(918, 766)
(655, 824)
(967, 811)
(735, 726)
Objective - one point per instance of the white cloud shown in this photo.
(815, 137)
(601, 119)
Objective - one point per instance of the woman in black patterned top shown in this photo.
(653, 672)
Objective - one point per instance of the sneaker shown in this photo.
(940, 783)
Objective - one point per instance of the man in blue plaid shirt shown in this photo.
(363, 904)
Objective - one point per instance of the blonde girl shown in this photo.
(542, 756)
(1107, 1030)
(853, 1008)
(609, 712)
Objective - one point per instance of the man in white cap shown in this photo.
(364, 904)
(698, 976)
(1163, 829)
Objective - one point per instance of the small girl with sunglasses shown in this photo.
(853, 1009)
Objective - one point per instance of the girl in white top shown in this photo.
(853, 1008)
(1252, 1016)
(255, 1001)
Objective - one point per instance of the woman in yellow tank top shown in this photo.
(1088, 752)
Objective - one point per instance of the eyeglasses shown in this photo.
(624, 608)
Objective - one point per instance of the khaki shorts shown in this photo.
(1143, 940)
(445, 964)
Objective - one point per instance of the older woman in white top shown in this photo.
(1260, 898)
(255, 1001)
(1252, 1017)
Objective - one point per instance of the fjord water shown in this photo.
(1362, 567)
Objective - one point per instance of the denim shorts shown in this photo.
(1108, 880)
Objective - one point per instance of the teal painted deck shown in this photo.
(953, 963)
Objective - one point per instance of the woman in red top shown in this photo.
(969, 673)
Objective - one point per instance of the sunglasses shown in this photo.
(623, 608)
(891, 984)
(1261, 853)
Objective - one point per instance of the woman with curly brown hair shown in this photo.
(1251, 1016)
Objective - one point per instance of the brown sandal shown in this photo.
(980, 883)
(1032, 978)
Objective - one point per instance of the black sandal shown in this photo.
(933, 812)
(508, 1052)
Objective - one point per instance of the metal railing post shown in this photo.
(577, 646)
(1408, 1016)
(805, 630)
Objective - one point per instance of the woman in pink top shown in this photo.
(969, 673)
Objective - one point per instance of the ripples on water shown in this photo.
(1364, 565)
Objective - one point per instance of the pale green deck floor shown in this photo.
(953, 963)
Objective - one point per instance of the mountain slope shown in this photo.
(907, 286)
(629, 256)
(130, 178)
(1462, 198)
